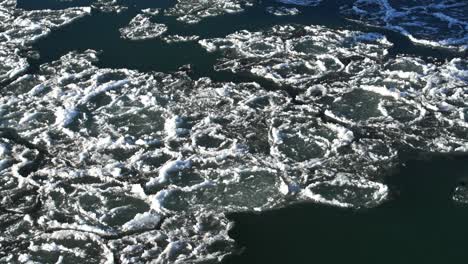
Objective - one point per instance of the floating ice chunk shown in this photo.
(25, 27)
(64, 117)
(169, 168)
(13, 65)
(141, 28)
(109, 6)
(380, 90)
(151, 11)
(144, 221)
(27, 117)
(28, 26)
(289, 188)
(3, 150)
(171, 251)
(347, 191)
(179, 38)
(192, 11)
(92, 91)
(344, 136)
(175, 127)
(158, 200)
(295, 55)
(460, 194)
(282, 11)
(277, 136)
(66, 246)
(209, 46)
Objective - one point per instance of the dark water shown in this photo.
(420, 224)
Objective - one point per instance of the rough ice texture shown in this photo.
(193, 11)
(295, 55)
(180, 38)
(91, 163)
(101, 164)
(359, 93)
(20, 28)
(141, 28)
(148, 163)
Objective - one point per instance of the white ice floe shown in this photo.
(283, 11)
(141, 28)
(347, 191)
(292, 55)
(22, 28)
(193, 11)
(169, 168)
(143, 167)
(180, 38)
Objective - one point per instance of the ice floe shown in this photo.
(191, 12)
(20, 28)
(292, 55)
(141, 28)
(282, 11)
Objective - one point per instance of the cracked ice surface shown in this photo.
(99, 137)
(400, 101)
(190, 11)
(100, 164)
(295, 55)
(145, 165)
(20, 28)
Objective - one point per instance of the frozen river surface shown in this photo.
(137, 131)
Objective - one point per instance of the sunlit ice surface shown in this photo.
(103, 160)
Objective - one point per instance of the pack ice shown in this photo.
(100, 164)
(440, 23)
